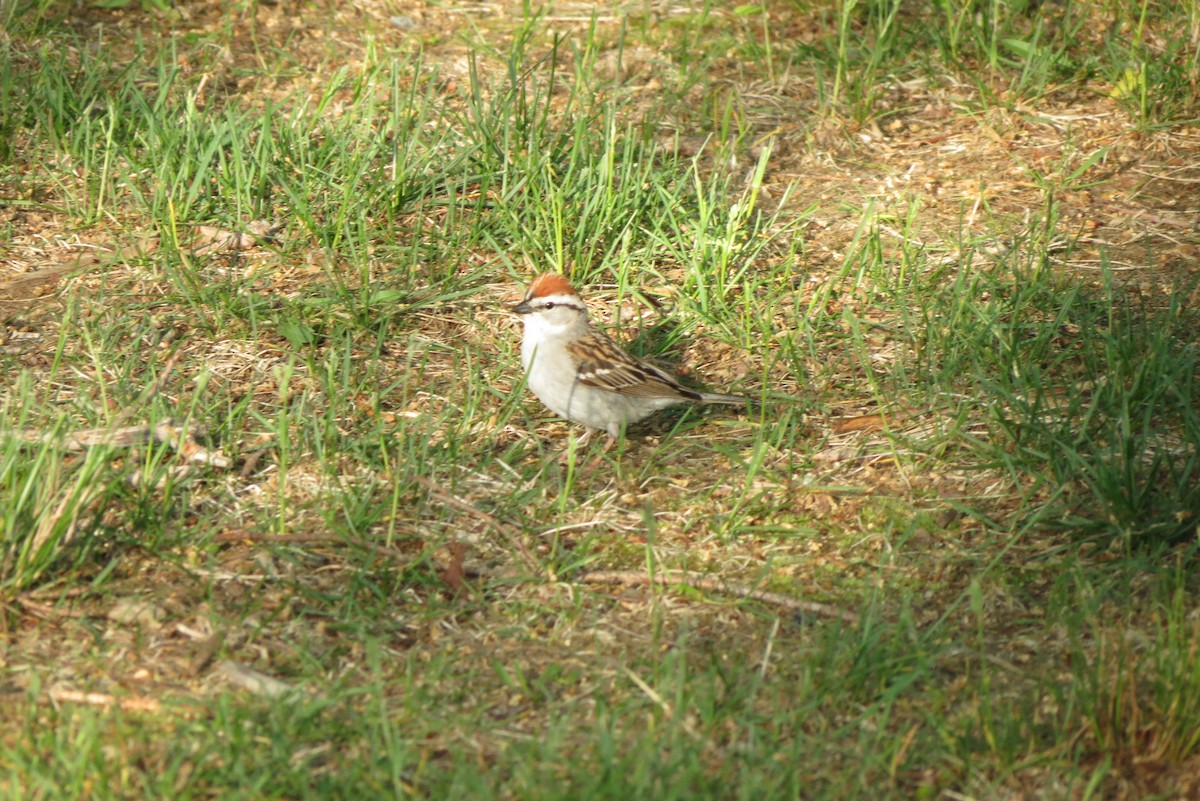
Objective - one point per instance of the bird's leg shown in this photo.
(595, 460)
(569, 454)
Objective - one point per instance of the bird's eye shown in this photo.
(548, 306)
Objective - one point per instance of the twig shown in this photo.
(670, 578)
(166, 431)
(155, 387)
(305, 539)
(252, 680)
(45, 610)
(114, 434)
(491, 521)
(458, 503)
(662, 704)
(251, 461)
(205, 652)
(57, 592)
(132, 704)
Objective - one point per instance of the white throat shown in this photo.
(555, 322)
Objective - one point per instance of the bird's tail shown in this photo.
(731, 400)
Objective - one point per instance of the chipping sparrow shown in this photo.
(580, 374)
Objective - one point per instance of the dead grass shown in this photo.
(854, 508)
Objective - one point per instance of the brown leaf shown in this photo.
(453, 573)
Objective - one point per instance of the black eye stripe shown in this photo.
(544, 304)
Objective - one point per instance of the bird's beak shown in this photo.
(522, 308)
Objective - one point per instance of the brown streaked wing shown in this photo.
(604, 366)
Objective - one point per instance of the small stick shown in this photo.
(45, 610)
(117, 435)
(205, 653)
(130, 436)
(133, 704)
(458, 503)
(251, 680)
(57, 592)
(155, 387)
(669, 578)
(490, 520)
(302, 539)
(252, 460)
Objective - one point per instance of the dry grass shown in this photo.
(394, 537)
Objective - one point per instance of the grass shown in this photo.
(940, 246)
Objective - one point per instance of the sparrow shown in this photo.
(581, 374)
